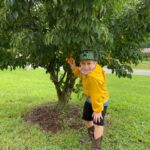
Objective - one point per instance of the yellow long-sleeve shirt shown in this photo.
(94, 87)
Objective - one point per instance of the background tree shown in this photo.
(44, 32)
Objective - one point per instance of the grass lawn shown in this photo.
(128, 119)
(143, 65)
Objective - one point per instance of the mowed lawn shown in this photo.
(143, 65)
(128, 118)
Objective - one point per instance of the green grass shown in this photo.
(128, 126)
(143, 65)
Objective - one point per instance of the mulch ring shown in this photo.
(50, 119)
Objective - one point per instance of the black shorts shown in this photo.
(88, 111)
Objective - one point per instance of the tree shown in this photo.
(44, 32)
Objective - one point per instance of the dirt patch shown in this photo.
(50, 119)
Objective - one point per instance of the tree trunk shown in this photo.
(64, 86)
(63, 98)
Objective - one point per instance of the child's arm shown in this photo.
(95, 94)
(71, 62)
(73, 67)
(97, 108)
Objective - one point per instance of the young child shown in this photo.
(95, 89)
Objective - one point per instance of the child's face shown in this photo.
(87, 66)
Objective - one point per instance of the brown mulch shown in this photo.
(50, 119)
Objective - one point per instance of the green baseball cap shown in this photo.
(88, 54)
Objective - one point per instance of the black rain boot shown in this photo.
(96, 143)
(89, 137)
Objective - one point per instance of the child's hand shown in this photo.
(71, 61)
(96, 116)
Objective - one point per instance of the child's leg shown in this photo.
(99, 126)
(98, 131)
(98, 136)
(88, 121)
(90, 129)
(88, 124)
